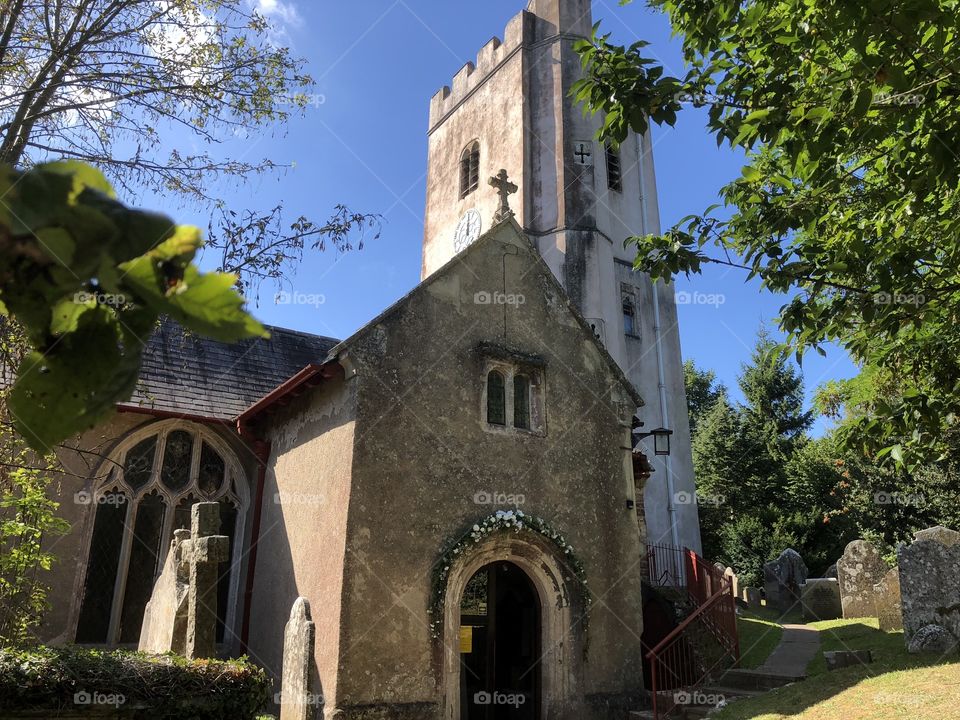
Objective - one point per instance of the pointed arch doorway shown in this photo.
(500, 645)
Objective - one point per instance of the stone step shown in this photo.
(756, 680)
(732, 692)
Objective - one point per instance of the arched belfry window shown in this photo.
(149, 484)
(629, 316)
(614, 169)
(470, 169)
(496, 399)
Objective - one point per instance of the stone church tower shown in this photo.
(578, 200)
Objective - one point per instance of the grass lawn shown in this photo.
(895, 686)
(759, 635)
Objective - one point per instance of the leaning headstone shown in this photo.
(820, 599)
(731, 576)
(930, 584)
(944, 536)
(831, 572)
(860, 568)
(782, 579)
(887, 594)
(299, 698)
(753, 597)
(164, 627)
(204, 551)
(839, 659)
(932, 639)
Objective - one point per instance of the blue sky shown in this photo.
(363, 143)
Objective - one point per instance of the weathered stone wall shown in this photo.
(303, 526)
(426, 461)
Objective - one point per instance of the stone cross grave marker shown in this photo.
(204, 552)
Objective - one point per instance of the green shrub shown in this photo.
(141, 686)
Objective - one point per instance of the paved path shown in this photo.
(798, 646)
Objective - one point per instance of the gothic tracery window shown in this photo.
(470, 169)
(159, 474)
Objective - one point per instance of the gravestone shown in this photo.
(831, 572)
(753, 598)
(820, 599)
(858, 571)
(930, 583)
(887, 593)
(164, 626)
(932, 639)
(839, 659)
(944, 536)
(731, 576)
(782, 579)
(299, 698)
(181, 615)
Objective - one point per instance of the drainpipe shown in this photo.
(262, 450)
(657, 331)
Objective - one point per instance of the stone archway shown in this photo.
(560, 628)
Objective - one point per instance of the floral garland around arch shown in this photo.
(501, 521)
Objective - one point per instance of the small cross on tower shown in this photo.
(506, 189)
(583, 154)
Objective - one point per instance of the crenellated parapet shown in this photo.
(519, 32)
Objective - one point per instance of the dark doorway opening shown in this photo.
(500, 646)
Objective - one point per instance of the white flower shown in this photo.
(476, 527)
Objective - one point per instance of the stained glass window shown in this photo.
(102, 565)
(129, 539)
(143, 566)
(177, 456)
(212, 470)
(139, 463)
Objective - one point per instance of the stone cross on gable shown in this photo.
(505, 188)
(204, 552)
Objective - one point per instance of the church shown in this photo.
(456, 488)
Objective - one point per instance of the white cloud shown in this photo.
(279, 10)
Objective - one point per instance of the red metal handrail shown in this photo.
(681, 662)
(703, 578)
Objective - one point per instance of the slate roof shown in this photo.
(185, 373)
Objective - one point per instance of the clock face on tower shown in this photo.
(468, 230)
